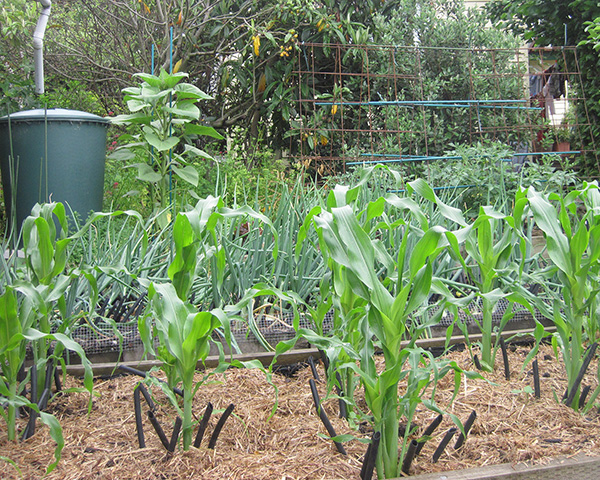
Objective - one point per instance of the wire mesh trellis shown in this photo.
(388, 104)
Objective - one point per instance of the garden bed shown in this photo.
(511, 427)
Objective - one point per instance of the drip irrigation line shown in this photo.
(137, 407)
(428, 431)
(368, 465)
(203, 424)
(477, 362)
(445, 441)
(133, 308)
(505, 359)
(586, 362)
(325, 361)
(323, 416)
(340, 392)
(410, 455)
(467, 426)
(142, 374)
(219, 426)
(536, 379)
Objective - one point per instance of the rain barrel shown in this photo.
(52, 155)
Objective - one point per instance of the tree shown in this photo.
(559, 22)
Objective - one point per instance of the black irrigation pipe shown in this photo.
(203, 424)
(325, 361)
(368, 465)
(586, 362)
(115, 307)
(445, 441)
(323, 417)
(410, 455)
(175, 435)
(340, 392)
(57, 382)
(30, 428)
(536, 379)
(142, 374)
(159, 430)
(467, 426)
(137, 405)
(584, 394)
(428, 431)
(219, 426)
(313, 369)
(505, 359)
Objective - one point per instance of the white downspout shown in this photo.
(38, 45)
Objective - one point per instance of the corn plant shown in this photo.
(28, 308)
(571, 227)
(382, 302)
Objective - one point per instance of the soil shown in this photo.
(511, 427)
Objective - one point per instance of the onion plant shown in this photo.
(571, 227)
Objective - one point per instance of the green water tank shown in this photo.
(53, 155)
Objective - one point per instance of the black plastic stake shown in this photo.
(505, 359)
(476, 362)
(536, 379)
(219, 426)
(158, 429)
(467, 426)
(313, 369)
(428, 431)
(340, 392)
(586, 362)
(410, 455)
(175, 435)
(366, 472)
(584, 394)
(137, 406)
(445, 441)
(323, 417)
(203, 424)
(30, 428)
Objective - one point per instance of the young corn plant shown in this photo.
(383, 300)
(182, 331)
(571, 227)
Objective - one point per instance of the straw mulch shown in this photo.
(510, 427)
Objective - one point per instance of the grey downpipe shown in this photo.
(38, 45)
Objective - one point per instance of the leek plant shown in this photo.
(571, 227)
(383, 304)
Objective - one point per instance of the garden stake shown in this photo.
(584, 366)
(313, 369)
(505, 359)
(203, 424)
(137, 406)
(220, 423)
(467, 426)
(133, 308)
(428, 431)
(476, 362)
(536, 379)
(366, 472)
(139, 373)
(410, 455)
(340, 392)
(584, 394)
(159, 430)
(325, 361)
(323, 417)
(175, 435)
(445, 441)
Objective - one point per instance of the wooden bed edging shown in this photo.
(288, 358)
(579, 467)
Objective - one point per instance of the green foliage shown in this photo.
(561, 22)
(164, 109)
